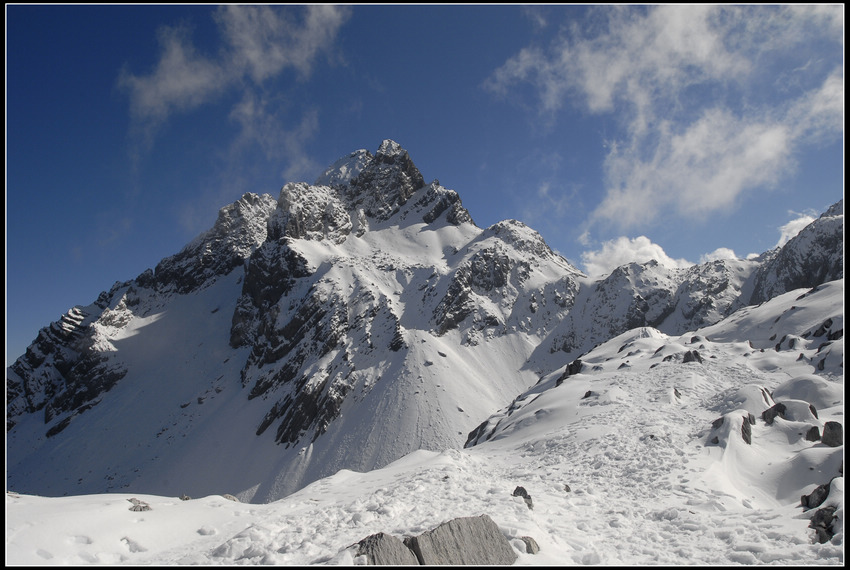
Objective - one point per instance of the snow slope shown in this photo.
(624, 459)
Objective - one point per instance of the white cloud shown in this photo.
(792, 228)
(698, 171)
(694, 86)
(717, 254)
(264, 40)
(260, 42)
(623, 250)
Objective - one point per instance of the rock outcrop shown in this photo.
(386, 550)
(467, 541)
(462, 541)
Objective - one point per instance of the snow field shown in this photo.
(646, 485)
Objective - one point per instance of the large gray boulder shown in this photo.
(386, 550)
(833, 434)
(468, 540)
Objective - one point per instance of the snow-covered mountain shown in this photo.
(343, 325)
(715, 447)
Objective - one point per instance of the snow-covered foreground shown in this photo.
(620, 460)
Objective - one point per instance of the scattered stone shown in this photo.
(717, 423)
(469, 540)
(676, 393)
(770, 414)
(567, 488)
(139, 505)
(822, 523)
(692, 356)
(230, 497)
(833, 434)
(185, 498)
(813, 434)
(816, 497)
(588, 394)
(747, 431)
(531, 546)
(521, 492)
(386, 550)
(825, 326)
(572, 368)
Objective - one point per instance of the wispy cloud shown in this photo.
(694, 88)
(623, 250)
(181, 80)
(258, 43)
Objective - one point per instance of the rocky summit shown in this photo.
(341, 325)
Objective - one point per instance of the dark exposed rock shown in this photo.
(747, 431)
(588, 394)
(833, 434)
(468, 540)
(813, 434)
(816, 497)
(383, 549)
(572, 368)
(476, 434)
(521, 492)
(822, 523)
(692, 356)
(770, 414)
(823, 328)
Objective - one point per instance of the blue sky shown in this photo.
(619, 133)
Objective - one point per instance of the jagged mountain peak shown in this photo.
(345, 169)
(390, 149)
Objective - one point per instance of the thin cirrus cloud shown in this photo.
(257, 44)
(705, 114)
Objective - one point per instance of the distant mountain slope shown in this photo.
(342, 325)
